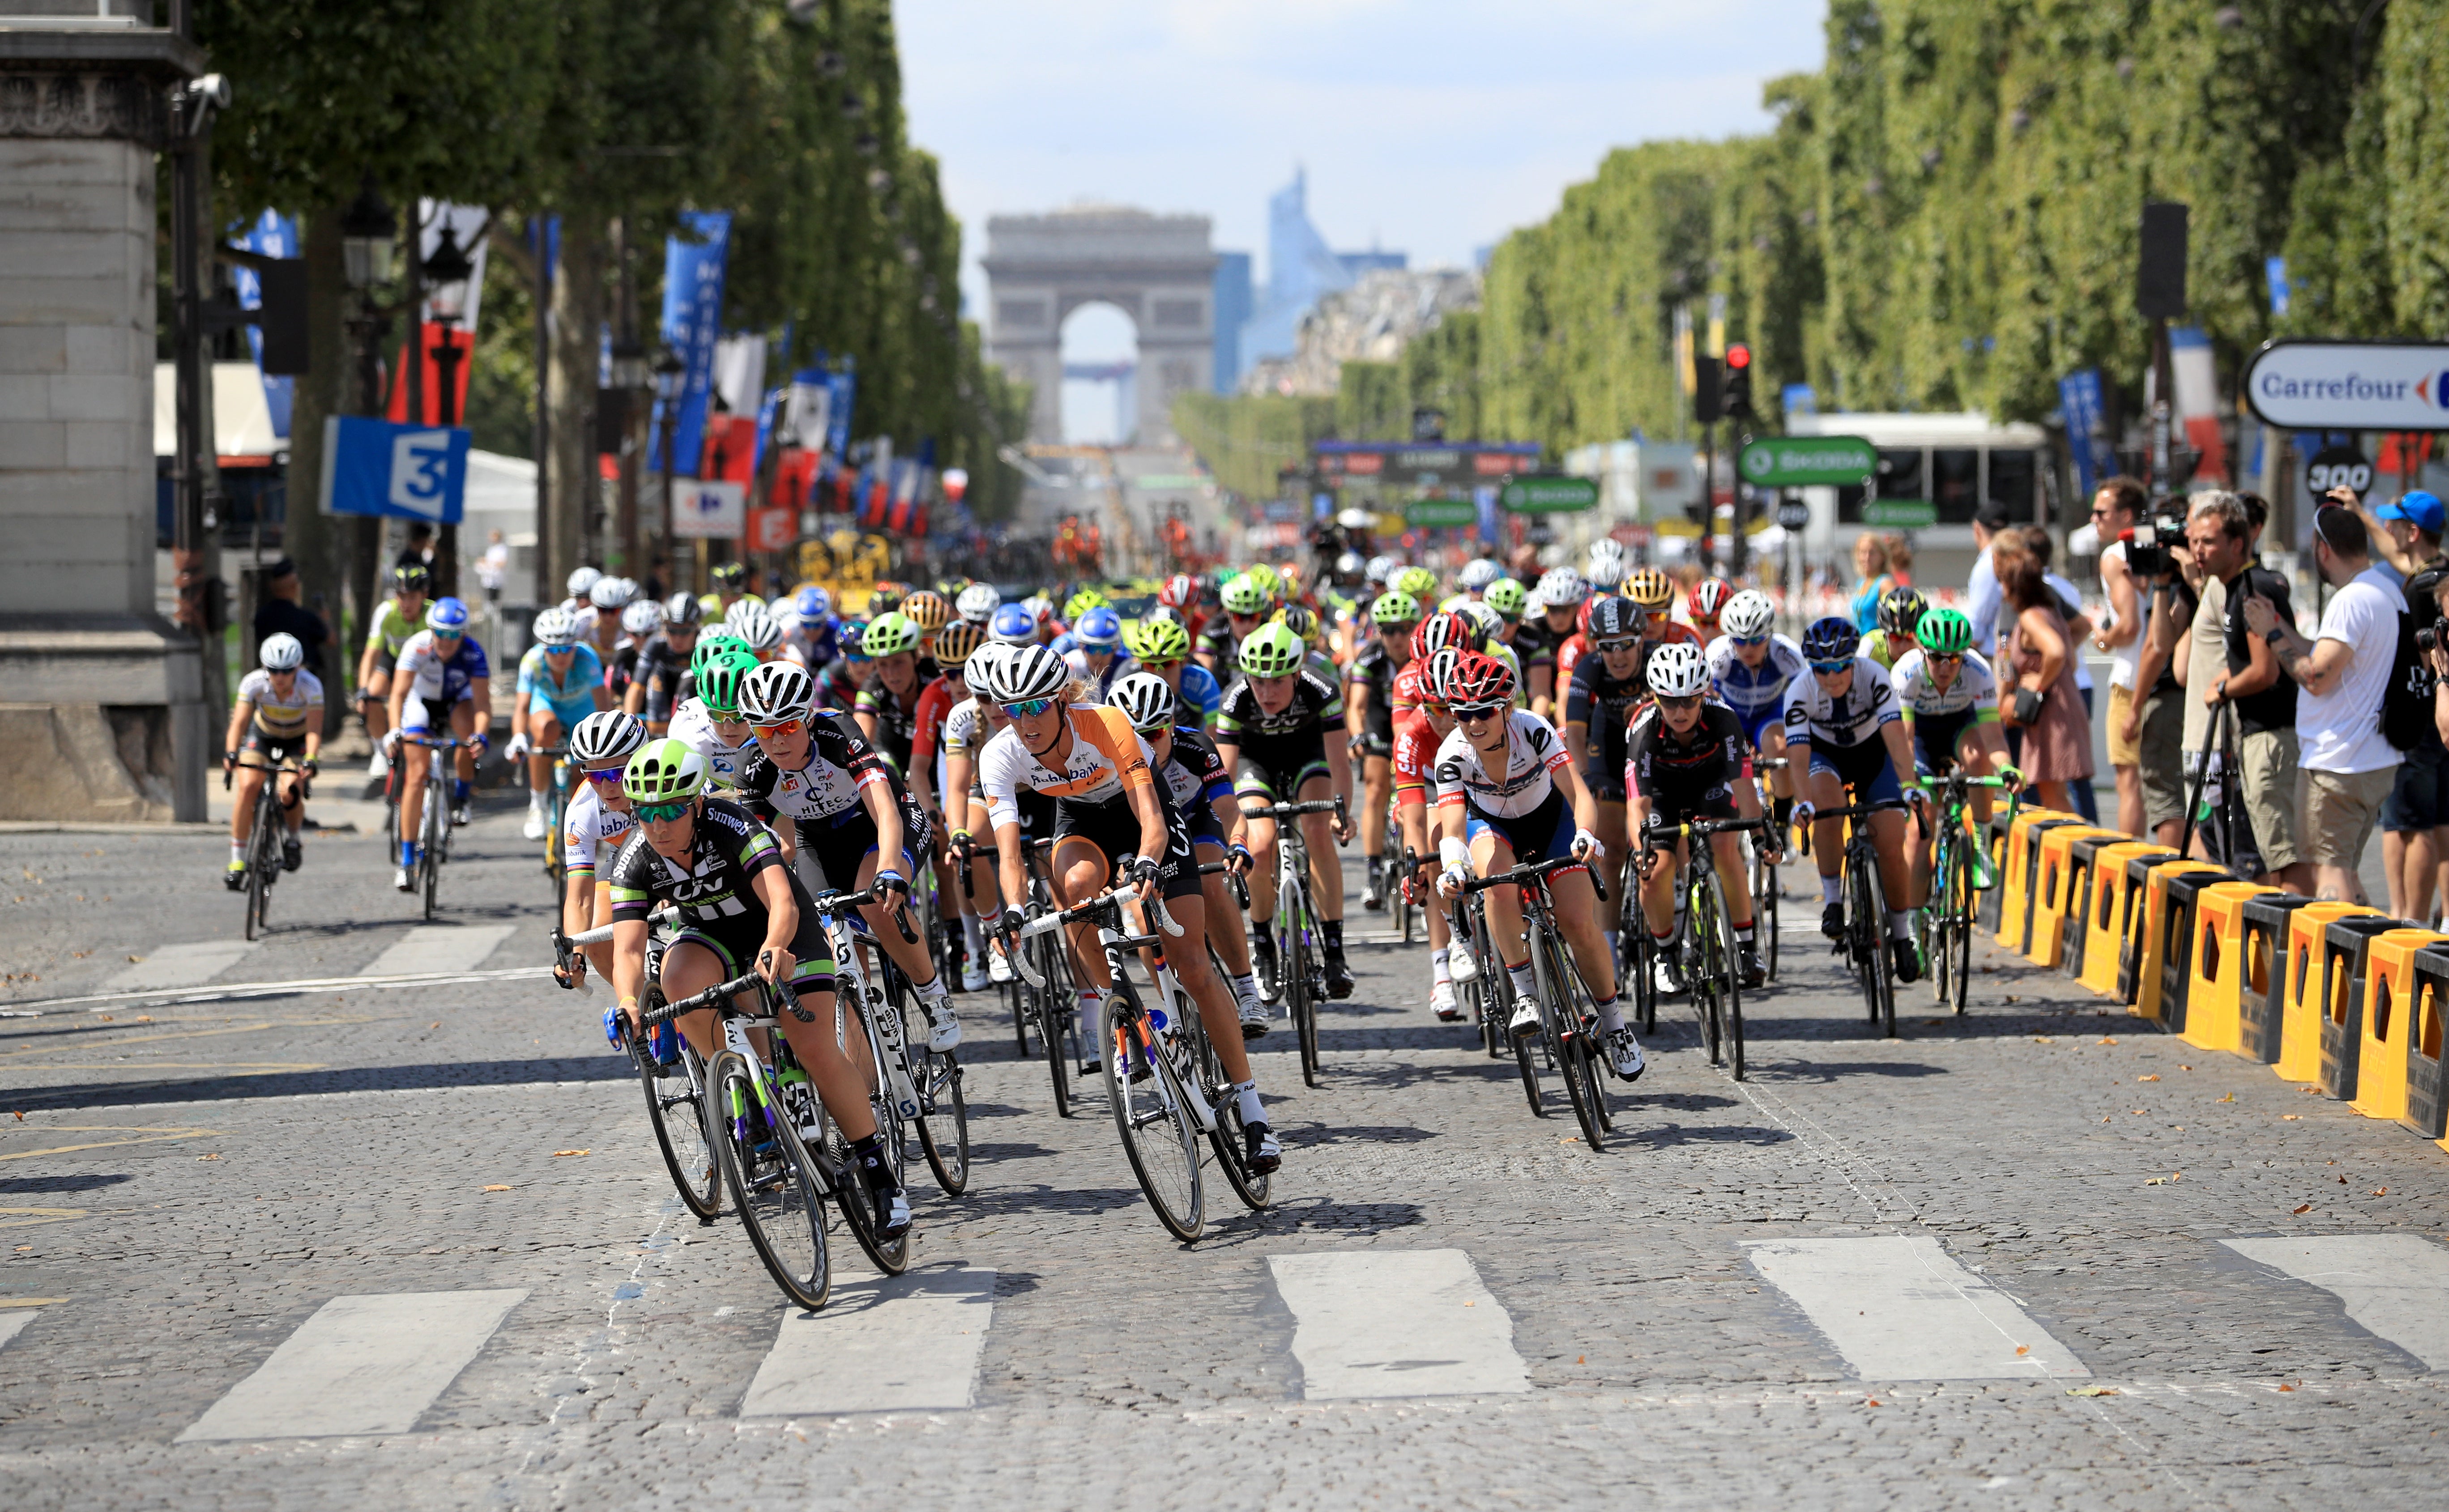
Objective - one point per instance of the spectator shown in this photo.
(2157, 728)
(2115, 509)
(2341, 676)
(1981, 586)
(281, 613)
(1899, 560)
(419, 550)
(2221, 534)
(2037, 682)
(2415, 822)
(1872, 581)
(2405, 532)
(2037, 541)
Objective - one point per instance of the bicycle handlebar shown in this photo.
(1286, 811)
(718, 998)
(602, 934)
(836, 904)
(1533, 871)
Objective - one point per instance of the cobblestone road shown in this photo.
(280, 1235)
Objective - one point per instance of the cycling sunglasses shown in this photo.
(1028, 708)
(1166, 665)
(1748, 640)
(779, 728)
(1691, 700)
(607, 776)
(1832, 666)
(659, 813)
(1626, 645)
(1943, 656)
(1478, 712)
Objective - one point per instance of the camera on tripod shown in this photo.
(2148, 542)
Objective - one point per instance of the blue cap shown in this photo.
(452, 614)
(2421, 508)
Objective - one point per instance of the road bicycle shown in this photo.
(556, 806)
(913, 1089)
(1041, 994)
(675, 1090)
(1411, 923)
(1768, 888)
(1959, 869)
(1864, 943)
(1300, 965)
(263, 845)
(1569, 1024)
(1709, 958)
(434, 826)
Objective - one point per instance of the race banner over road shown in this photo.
(2350, 385)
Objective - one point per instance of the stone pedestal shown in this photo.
(100, 703)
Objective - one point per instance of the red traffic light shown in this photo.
(1738, 356)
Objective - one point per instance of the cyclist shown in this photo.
(1653, 593)
(1246, 602)
(848, 813)
(441, 673)
(1282, 733)
(664, 663)
(1750, 668)
(1162, 648)
(978, 603)
(710, 722)
(750, 622)
(1096, 660)
(1181, 594)
(1510, 599)
(599, 624)
(1687, 759)
(1423, 728)
(1486, 622)
(581, 583)
(740, 906)
(1847, 721)
(954, 645)
(1200, 787)
(560, 682)
(888, 701)
(838, 685)
(1558, 601)
(1111, 820)
(276, 726)
(1419, 582)
(731, 580)
(396, 619)
(816, 640)
(1599, 705)
(968, 727)
(1950, 698)
(1900, 611)
(639, 622)
(1508, 795)
(1606, 564)
(1477, 576)
(1369, 725)
(592, 828)
(1705, 605)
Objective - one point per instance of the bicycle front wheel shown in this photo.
(943, 1112)
(1960, 905)
(1292, 964)
(773, 1180)
(1725, 964)
(676, 1108)
(1052, 1003)
(1568, 1034)
(1227, 1140)
(1765, 890)
(1152, 1116)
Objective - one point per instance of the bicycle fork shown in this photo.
(735, 1037)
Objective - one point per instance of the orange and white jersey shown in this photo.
(1108, 759)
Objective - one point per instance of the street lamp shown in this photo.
(669, 370)
(367, 230)
(448, 272)
(628, 364)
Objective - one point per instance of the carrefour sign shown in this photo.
(2350, 386)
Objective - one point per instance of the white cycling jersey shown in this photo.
(694, 727)
(283, 719)
(1534, 753)
(591, 832)
(1754, 691)
(1976, 687)
(1813, 717)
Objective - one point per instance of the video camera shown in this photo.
(2148, 542)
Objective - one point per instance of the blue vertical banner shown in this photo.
(2282, 292)
(2079, 399)
(767, 413)
(274, 235)
(845, 388)
(693, 267)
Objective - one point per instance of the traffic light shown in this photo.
(1706, 400)
(1738, 386)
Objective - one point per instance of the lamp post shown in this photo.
(630, 377)
(669, 370)
(368, 233)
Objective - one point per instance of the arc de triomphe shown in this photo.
(1158, 270)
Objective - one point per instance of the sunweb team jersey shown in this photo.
(713, 887)
(278, 717)
(694, 727)
(1918, 694)
(1754, 691)
(1813, 717)
(1315, 707)
(1534, 753)
(1107, 760)
(590, 832)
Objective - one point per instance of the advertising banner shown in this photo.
(2080, 400)
(693, 268)
(406, 472)
(708, 511)
(2349, 385)
(1549, 495)
(1793, 462)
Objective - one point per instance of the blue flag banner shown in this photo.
(692, 322)
(845, 386)
(766, 416)
(406, 472)
(2080, 397)
(276, 236)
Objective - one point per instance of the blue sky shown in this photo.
(1432, 127)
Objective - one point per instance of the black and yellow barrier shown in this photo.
(2052, 891)
(2262, 985)
(2299, 994)
(2213, 967)
(2087, 862)
(2427, 1081)
(2346, 947)
(2152, 942)
(2387, 1018)
(2015, 874)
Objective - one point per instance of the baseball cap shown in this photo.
(1993, 516)
(2422, 509)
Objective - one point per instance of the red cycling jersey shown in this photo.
(934, 701)
(1416, 755)
(1575, 647)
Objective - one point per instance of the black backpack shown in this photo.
(2406, 705)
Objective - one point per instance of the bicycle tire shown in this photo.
(1153, 1119)
(1052, 1003)
(1560, 1023)
(1765, 901)
(1292, 964)
(1015, 994)
(1959, 926)
(1729, 969)
(429, 858)
(1252, 1187)
(1644, 989)
(940, 1100)
(686, 1148)
(776, 1206)
(1701, 978)
(1878, 988)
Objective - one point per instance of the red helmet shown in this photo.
(1480, 679)
(1437, 631)
(1710, 597)
(1179, 592)
(1411, 687)
(1437, 681)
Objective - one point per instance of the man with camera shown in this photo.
(2220, 534)
(2115, 509)
(2150, 724)
(2341, 676)
(2415, 818)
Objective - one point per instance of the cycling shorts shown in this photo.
(1760, 721)
(736, 950)
(1605, 778)
(259, 748)
(1114, 829)
(837, 846)
(1373, 745)
(1935, 737)
(569, 711)
(1682, 803)
(1545, 833)
(1275, 779)
(1865, 770)
(415, 716)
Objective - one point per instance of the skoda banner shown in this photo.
(2350, 385)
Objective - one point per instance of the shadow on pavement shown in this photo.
(430, 1077)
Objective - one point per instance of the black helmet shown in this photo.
(683, 609)
(412, 577)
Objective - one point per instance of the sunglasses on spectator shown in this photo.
(1028, 708)
(779, 728)
(659, 813)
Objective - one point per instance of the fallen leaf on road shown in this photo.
(2043, 1039)
(2185, 1069)
(505, 1189)
(2154, 1076)
(2288, 1389)
(134, 958)
(215, 1155)
(2023, 1348)
(144, 1019)
(436, 1024)
(2104, 1040)
(105, 1018)
(2305, 1208)
(1580, 1359)
(2380, 1191)
(2290, 1117)
(2012, 997)
(2230, 1097)
(558, 1154)
(2309, 1089)
(1872, 1402)
(2343, 1180)
(2092, 1390)
(2154, 1181)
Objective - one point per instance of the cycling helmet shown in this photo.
(956, 642)
(927, 610)
(1709, 598)
(1613, 616)
(1394, 608)
(1179, 592)
(447, 617)
(556, 628)
(1478, 574)
(1349, 564)
(854, 639)
(1082, 601)
(1272, 651)
(1651, 590)
(1301, 620)
(978, 602)
(1946, 632)
(979, 670)
(1419, 582)
(885, 598)
(611, 593)
(890, 635)
(610, 735)
(281, 653)
(1607, 561)
(682, 611)
(583, 581)
(1831, 639)
(1040, 607)
(1436, 682)
(664, 772)
(1243, 594)
(1154, 640)
(786, 611)
(739, 607)
(411, 577)
(729, 576)
(1484, 617)
(1438, 631)
(1479, 681)
(1144, 700)
(776, 691)
(1678, 670)
(642, 618)
(1014, 624)
(1100, 629)
(1506, 596)
(1032, 672)
(1900, 611)
(1563, 589)
(1748, 615)
(1380, 568)
(711, 647)
(718, 686)
(812, 604)
(1270, 581)
(752, 623)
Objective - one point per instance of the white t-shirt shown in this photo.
(2123, 659)
(2340, 730)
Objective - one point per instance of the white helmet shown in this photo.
(749, 621)
(1677, 671)
(583, 581)
(1382, 568)
(1144, 700)
(1484, 615)
(642, 617)
(979, 670)
(283, 653)
(978, 602)
(610, 735)
(556, 627)
(740, 607)
(1563, 589)
(1033, 673)
(611, 593)
(775, 692)
(1747, 614)
(1608, 563)
(1478, 574)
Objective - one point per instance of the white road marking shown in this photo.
(1899, 1307)
(182, 965)
(14, 1320)
(901, 1343)
(2395, 1285)
(443, 948)
(361, 1365)
(1372, 1323)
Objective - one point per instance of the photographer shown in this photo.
(2415, 819)
(2153, 722)
(2341, 676)
(2220, 535)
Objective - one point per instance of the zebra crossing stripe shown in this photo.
(13, 1321)
(361, 1365)
(909, 1343)
(2394, 1285)
(192, 963)
(1381, 1322)
(444, 947)
(1900, 1307)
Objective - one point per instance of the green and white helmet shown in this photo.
(890, 635)
(719, 682)
(1272, 651)
(1243, 594)
(664, 772)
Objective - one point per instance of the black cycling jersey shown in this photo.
(839, 687)
(1535, 644)
(665, 673)
(714, 893)
(1194, 776)
(1375, 670)
(1216, 637)
(1606, 704)
(1317, 706)
(1690, 774)
(897, 723)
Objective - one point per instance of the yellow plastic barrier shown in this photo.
(2216, 966)
(2013, 890)
(2388, 1019)
(2339, 1016)
(2149, 947)
(2090, 950)
(2048, 903)
(2299, 991)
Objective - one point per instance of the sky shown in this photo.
(1428, 126)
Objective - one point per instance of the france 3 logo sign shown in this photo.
(409, 471)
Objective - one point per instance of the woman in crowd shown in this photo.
(2037, 692)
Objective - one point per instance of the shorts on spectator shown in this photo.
(2160, 757)
(2418, 800)
(2267, 772)
(2122, 752)
(2340, 809)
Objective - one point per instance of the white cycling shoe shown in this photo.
(1526, 1019)
(1441, 999)
(1461, 966)
(1254, 1018)
(401, 880)
(974, 976)
(1662, 976)
(533, 829)
(377, 766)
(998, 967)
(943, 1025)
(1624, 1054)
